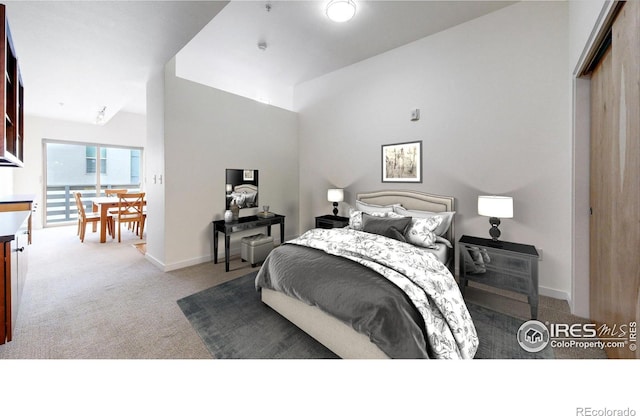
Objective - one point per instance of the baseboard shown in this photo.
(235, 251)
(154, 261)
(554, 293)
(187, 263)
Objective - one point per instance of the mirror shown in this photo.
(241, 187)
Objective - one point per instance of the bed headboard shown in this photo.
(245, 188)
(413, 200)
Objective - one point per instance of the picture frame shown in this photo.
(402, 162)
(247, 174)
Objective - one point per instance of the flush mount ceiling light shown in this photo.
(341, 10)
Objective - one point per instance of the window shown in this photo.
(92, 163)
(82, 167)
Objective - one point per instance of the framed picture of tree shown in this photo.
(402, 162)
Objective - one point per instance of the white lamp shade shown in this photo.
(341, 10)
(495, 206)
(335, 195)
(229, 187)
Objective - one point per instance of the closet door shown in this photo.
(615, 178)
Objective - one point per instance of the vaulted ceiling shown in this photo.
(77, 57)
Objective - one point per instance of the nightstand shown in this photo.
(331, 221)
(500, 264)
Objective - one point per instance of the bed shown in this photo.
(365, 293)
(245, 196)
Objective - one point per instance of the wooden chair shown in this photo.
(131, 211)
(84, 218)
(114, 192)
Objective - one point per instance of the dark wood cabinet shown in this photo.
(331, 221)
(12, 91)
(14, 243)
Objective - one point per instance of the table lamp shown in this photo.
(335, 196)
(495, 207)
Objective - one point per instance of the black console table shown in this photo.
(243, 223)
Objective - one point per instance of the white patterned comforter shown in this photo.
(425, 280)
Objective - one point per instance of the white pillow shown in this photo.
(447, 217)
(444, 241)
(371, 208)
(420, 232)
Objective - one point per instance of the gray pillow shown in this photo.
(388, 227)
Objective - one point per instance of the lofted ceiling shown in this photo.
(77, 57)
(300, 43)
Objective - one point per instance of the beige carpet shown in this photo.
(92, 300)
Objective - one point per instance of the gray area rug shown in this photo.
(234, 323)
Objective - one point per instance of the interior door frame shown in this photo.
(580, 247)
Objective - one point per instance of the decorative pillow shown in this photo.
(447, 218)
(355, 218)
(444, 241)
(239, 198)
(421, 231)
(250, 198)
(371, 208)
(389, 227)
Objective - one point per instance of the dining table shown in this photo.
(103, 204)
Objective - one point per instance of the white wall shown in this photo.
(6, 180)
(124, 129)
(154, 152)
(585, 18)
(495, 97)
(207, 131)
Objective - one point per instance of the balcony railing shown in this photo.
(61, 205)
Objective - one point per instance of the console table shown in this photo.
(243, 223)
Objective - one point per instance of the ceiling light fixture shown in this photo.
(341, 10)
(100, 116)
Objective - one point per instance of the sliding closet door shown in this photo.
(615, 177)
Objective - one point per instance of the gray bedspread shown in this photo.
(379, 300)
(349, 292)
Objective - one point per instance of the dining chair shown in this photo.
(131, 211)
(84, 218)
(114, 192)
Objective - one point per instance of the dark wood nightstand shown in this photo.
(500, 264)
(331, 221)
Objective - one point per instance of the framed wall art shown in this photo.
(402, 162)
(247, 174)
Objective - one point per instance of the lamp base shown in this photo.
(335, 209)
(494, 232)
